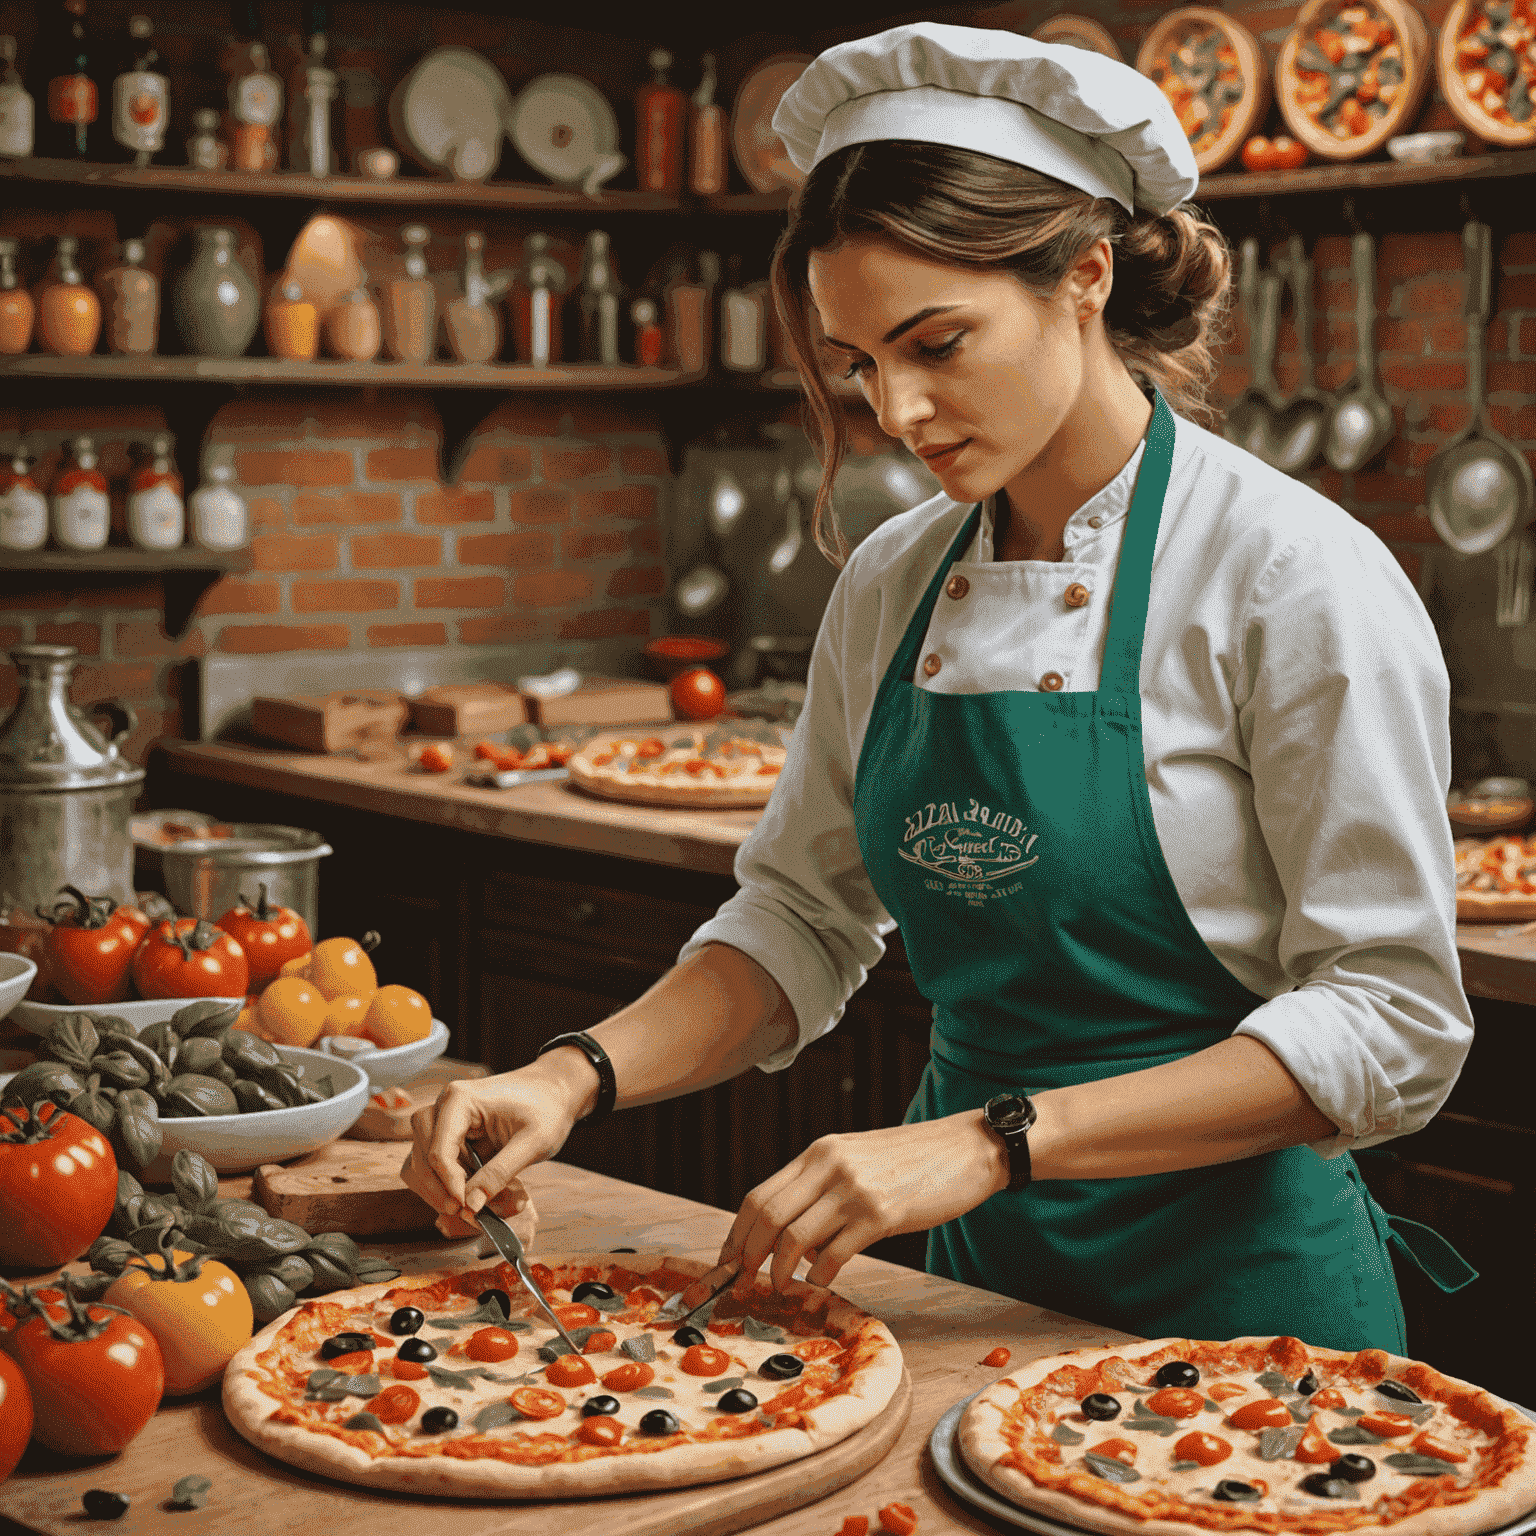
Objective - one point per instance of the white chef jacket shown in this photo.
(1295, 709)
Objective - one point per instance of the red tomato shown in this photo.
(91, 946)
(394, 1405)
(705, 1360)
(600, 1343)
(576, 1314)
(1388, 1425)
(191, 959)
(1329, 1397)
(998, 1358)
(58, 1184)
(1176, 1402)
(537, 1403)
(600, 1429)
(1120, 1450)
(898, 1519)
(855, 1525)
(1314, 1448)
(15, 1415)
(407, 1370)
(568, 1371)
(270, 936)
(1264, 1413)
(1287, 154)
(629, 1377)
(95, 1375)
(1426, 1445)
(1258, 154)
(697, 694)
(491, 1345)
(436, 757)
(1201, 1447)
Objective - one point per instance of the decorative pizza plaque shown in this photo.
(759, 151)
(1486, 65)
(1079, 32)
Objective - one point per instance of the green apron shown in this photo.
(1011, 837)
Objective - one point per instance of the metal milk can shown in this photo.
(65, 791)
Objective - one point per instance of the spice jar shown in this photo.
(743, 324)
(141, 97)
(255, 105)
(132, 298)
(410, 303)
(472, 322)
(536, 301)
(206, 151)
(23, 508)
(18, 112)
(220, 518)
(16, 308)
(352, 328)
(292, 324)
(157, 516)
(68, 313)
(82, 515)
(660, 109)
(648, 336)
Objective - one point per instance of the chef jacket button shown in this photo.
(1076, 595)
(931, 664)
(1052, 682)
(1095, 522)
(957, 586)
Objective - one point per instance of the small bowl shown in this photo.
(39, 1017)
(672, 654)
(1422, 148)
(400, 1063)
(16, 975)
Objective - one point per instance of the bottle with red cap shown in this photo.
(157, 515)
(82, 515)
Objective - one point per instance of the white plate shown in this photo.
(562, 126)
(39, 1017)
(759, 151)
(449, 113)
(399, 1063)
(16, 975)
(949, 1463)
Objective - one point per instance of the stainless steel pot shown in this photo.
(65, 790)
(206, 876)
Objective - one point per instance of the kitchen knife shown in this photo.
(719, 1290)
(510, 1247)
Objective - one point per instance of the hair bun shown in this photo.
(1171, 275)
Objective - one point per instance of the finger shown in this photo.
(816, 1227)
(416, 1175)
(751, 1212)
(852, 1240)
(456, 1227)
(456, 1115)
(500, 1172)
(693, 1294)
(511, 1200)
(789, 1205)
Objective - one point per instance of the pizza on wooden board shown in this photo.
(718, 770)
(1263, 1434)
(454, 1382)
(1495, 879)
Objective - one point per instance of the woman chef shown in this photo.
(1142, 744)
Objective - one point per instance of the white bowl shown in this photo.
(1419, 148)
(16, 973)
(39, 1017)
(400, 1063)
(239, 1143)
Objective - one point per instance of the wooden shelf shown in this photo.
(185, 573)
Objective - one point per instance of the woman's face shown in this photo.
(973, 373)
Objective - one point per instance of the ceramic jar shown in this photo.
(17, 310)
(82, 515)
(472, 322)
(220, 518)
(410, 303)
(706, 136)
(17, 109)
(68, 313)
(292, 324)
(214, 300)
(132, 298)
(23, 508)
(157, 516)
(353, 331)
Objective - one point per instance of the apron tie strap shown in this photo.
(1430, 1252)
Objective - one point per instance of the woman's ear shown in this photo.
(1089, 280)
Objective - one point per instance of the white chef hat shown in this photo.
(1085, 119)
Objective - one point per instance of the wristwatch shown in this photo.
(1010, 1115)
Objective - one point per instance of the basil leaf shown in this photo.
(1142, 1417)
(1183, 1466)
(763, 1333)
(1302, 1411)
(494, 1415)
(191, 1491)
(452, 1381)
(606, 1304)
(556, 1346)
(1064, 1434)
(365, 1421)
(1420, 1466)
(361, 1386)
(1352, 1434)
(642, 1347)
(1273, 1383)
(1211, 1406)
(487, 1314)
(652, 1392)
(1348, 1413)
(1110, 1470)
(670, 1308)
(1277, 1444)
(723, 1385)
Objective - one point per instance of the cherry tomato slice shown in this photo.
(1427, 1445)
(394, 1405)
(1388, 1425)
(491, 1345)
(1176, 1402)
(569, 1371)
(898, 1519)
(600, 1430)
(1264, 1413)
(1120, 1450)
(1201, 1447)
(1220, 1391)
(358, 1363)
(855, 1525)
(630, 1377)
(1329, 1397)
(576, 1314)
(538, 1402)
(817, 1349)
(600, 1343)
(407, 1370)
(704, 1360)
(997, 1358)
(1315, 1449)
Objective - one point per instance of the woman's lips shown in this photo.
(946, 456)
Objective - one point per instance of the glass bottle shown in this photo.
(23, 508)
(688, 323)
(157, 516)
(255, 105)
(410, 302)
(311, 141)
(292, 324)
(141, 96)
(132, 299)
(648, 334)
(706, 136)
(18, 114)
(68, 313)
(206, 151)
(472, 320)
(660, 109)
(352, 328)
(536, 303)
(743, 323)
(17, 310)
(214, 302)
(82, 515)
(599, 302)
(61, 78)
(220, 518)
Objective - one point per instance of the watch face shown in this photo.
(1009, 1111)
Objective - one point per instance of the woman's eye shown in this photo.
(943, 350)
(856, 368)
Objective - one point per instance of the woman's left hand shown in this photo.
(845, 1192)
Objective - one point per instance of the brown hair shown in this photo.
(954, 205)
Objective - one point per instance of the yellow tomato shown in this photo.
(344, 1015)
(338, 966)
(291, 1012)
(198, 1320)
(298, 966)
(397, 1016)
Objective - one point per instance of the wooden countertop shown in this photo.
(944, 1330)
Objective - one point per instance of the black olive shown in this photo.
(1308, 1384)
(418, 1350)
(737, 1400)
(345, 1344)
(406, 1320)
(435, 1420)
(1353, 1468)
(101, 1505)
(499, 1297)
(594, 1288)
(781, 1367)
(1177, 1373)
(659, 1422)
(1322, 1486)
(1101, 1406)
(1230, 1491)
(605, 1406)
(621, 1250)
(686, 1336)
(1395, 1389)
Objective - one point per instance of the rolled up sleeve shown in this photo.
(1346, 722)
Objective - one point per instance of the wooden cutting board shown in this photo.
(391, 1120)
(333, 722)
(468, 709)
(605, 701)
(345, 1186)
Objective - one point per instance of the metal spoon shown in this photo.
(784, 553)
(1250, 421)
(1479, 487)
(1297, 432)
(1361, 424)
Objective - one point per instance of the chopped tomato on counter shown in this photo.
(898, 1519)
(998, 1358)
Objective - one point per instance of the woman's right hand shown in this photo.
(515, 1119)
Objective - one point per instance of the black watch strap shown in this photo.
(1009, 1116)
(607, 1084)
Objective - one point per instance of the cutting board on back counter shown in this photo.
(344, 1186)
(605, 701)
(333, 722)
(468, 709)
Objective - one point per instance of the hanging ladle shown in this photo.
(1297, 432)
(1250, 422)
(786, 551)
(1479, 487)
(1361, 424)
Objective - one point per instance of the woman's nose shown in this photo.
(901, 402)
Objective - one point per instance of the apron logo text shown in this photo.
(964, 855)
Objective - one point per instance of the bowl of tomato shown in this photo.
(16, 973)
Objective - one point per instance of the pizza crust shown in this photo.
(984, 1446)
(249, 1408)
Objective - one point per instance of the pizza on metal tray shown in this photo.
(717, 770)
(1255, 1434)
(1495, 879)
(429, 1385)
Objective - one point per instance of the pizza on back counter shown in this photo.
(1495, 879)
(1266, 1434)
(716, 770)
(452, 1382)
